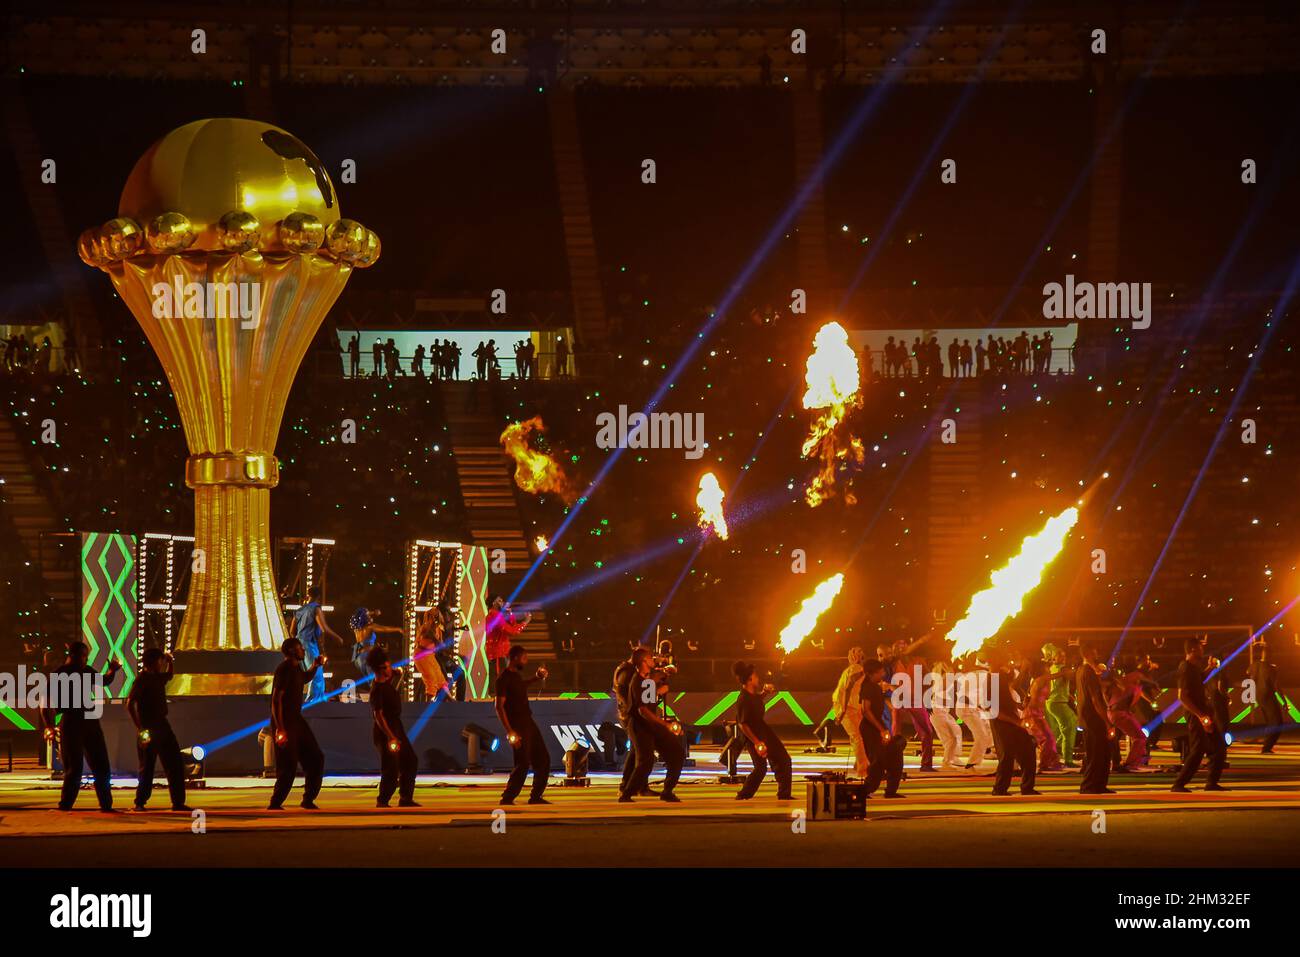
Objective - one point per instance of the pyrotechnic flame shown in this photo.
(709, 501)
(793, 634)
(831, 377)
(541, 543)
(535, 471)
(1003, 599)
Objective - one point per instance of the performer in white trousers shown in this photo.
(847, 703)
(970, 712)
(945, 725)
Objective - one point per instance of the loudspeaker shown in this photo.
(830, 799)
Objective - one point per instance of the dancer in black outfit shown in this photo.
(622, 676)
(521, 731)
(1218, 686)
(1097, 729)
(155, 740)
(650, 732)
(1015, 745)
(884, 749)
(1264, 673)
(1204, 736)
(294, 742)
(397, 760)
(625, 678)
(81, 739)
(760, 740)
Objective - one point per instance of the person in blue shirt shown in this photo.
(308, 626)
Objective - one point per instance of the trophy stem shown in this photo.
(232, 605)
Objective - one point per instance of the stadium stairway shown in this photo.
(579, 237)
(58, 244)
(28, 511)
(488, 488)
(811, 253)
(954, 498)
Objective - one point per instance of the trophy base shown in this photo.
(223, 672)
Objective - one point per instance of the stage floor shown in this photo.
(948, 819)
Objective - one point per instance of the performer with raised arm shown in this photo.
(81, 739)
(308, 626)
(501, 629)
(521, 731)
(155, 740)
(906, 660)
(761, 741)
(366, 631)
(294, 742)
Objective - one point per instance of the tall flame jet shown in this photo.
(709, 501)
(991, 608)
(812, 608)
(831, 377)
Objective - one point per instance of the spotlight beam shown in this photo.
(672, 592)
(926, 166)
(895, 214)
(1262, 201)
(753, 456)
(1061, 210)
(1270, 327)
(1163, 716)
(1145, 450)
(828, 161)
(1085, 174)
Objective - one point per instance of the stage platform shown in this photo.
(954, 810)
(226, 727)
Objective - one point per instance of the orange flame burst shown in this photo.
(709, 501)
(831, 377)
(812, 608)
(991, 608)
(535, 471)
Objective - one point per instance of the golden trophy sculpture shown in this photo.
(229, 249)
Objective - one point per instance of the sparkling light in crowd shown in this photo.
(991, 608)
(541, 543)
(709, 502)
(812, 608)
(535, 471)
(831, 377)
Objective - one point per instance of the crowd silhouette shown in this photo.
(1024, 355)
